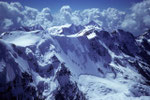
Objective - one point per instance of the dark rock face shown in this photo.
(16, 84)
(67, 89)
(19, 89)
(100, 50)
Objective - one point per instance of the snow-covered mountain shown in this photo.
(72, 62)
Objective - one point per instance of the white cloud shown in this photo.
(65, 9)
(14, 15)
(7, 23)
(44, 18)
(112, 18)
(139, 19)
(17, 5)
(8, 13)
(46, 13)
(66, 14)
(90, 14)
(129, 24)
(146, 20)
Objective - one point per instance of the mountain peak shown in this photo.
(93, 23)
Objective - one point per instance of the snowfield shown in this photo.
(96, 88)
(22, 38)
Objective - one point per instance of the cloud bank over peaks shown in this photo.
(136, 21)
(14, 15)
(109, 19)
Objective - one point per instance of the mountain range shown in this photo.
(71, 62)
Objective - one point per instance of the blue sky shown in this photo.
(55, 5)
